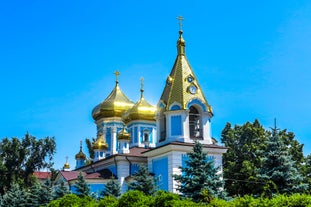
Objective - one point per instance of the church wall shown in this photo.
(123, 170)
(160, 170)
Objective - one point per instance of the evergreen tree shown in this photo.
(15, 197)
(81, 186)
(46, 193)
(143, 181)
(35, 193)
(112, 188)
(278, 170)
(246, 145)
(61, 190)
(199, 175)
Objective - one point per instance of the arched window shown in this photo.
(195, 124)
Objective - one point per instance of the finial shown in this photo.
(180, 19)
(66, 159)
(117, 73)
(142, 87)
(80, 145)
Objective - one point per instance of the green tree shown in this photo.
(246, 145)
(112, 188)
(199, 175)
(143, 181)
(89, 144)
(81, 186)
(279, 168)
(20, 158)
(34, 195)
(16, 197)
(134, 198)
(61, 190)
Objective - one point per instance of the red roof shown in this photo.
(136, 151)
(72, 175)
(42, 175)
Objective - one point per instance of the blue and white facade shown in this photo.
(162, 141)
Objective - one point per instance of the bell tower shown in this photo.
(184, 114)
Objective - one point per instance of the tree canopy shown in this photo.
(199, 175)
(143, 181)
(251, 148)
(20, 158)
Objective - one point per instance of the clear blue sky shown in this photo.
(57, 58)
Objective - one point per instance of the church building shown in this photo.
(132, 134)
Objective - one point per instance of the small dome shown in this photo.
(142, 110)
(113, 106)
(80, 155)
(100, 143)
(124, 135)
(66, 165)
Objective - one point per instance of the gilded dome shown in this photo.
(142, 110)
(124, 135)
(113, 106)
(100, 143)
(66, 165)
(80, 155)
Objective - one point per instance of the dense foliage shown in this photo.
(256, 157)
(81, 186)
(278, 171)
(112, 188)
(20, 158)
(199, 175)
(166, 199)
(143, 181)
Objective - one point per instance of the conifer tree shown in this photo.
(143, 181)
(61, 190)
(81, 186)
(278, 170)
(199, 175)
(112, 188)
(35, 193)
(46, 193)
(15, 197)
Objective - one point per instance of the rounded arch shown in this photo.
(195, 122)
(198, 103)
(175, 106)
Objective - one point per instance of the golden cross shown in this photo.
(117, 73)
(142, 83)
(66, 158)
(180, 19)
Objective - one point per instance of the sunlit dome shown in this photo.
(142, 110)
(114, 105)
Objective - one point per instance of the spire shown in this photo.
(181, 42)
(182, 86)
(141, 87)
(117, 73)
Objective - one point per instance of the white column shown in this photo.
(114, 140)
(123, 170)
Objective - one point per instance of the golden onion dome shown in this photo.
(80, 155)
(124, 135)
(142, 110)
(66, 165)
(114, 105)
(100, 143)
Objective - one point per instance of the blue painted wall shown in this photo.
(160, 170)
(176, 125)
